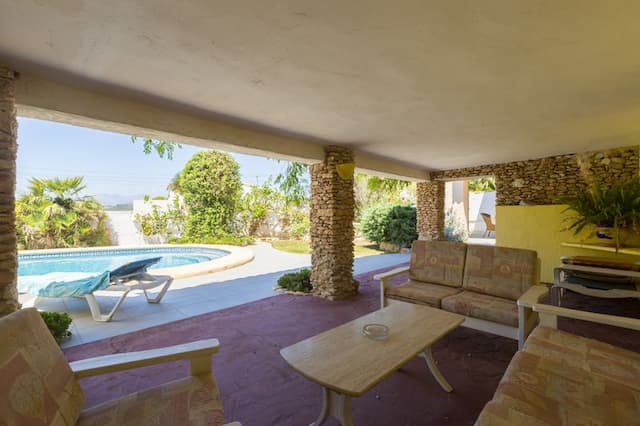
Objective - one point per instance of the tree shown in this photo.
(482, 184)
(294, 183)
(211, 187)
(161, 148)
(257, 203)
(53, 215)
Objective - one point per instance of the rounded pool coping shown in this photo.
(237, 256)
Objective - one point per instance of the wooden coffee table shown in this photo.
(347, 364)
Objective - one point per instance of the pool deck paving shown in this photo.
(193, 296)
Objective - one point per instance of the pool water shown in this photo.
(106, 260)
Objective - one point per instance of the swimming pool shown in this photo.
(40, 262)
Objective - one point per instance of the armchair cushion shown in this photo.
(555, 389)
(420, 292)
(38, 387)
(483, 306)
(499, 271)
(438, 262)
(193, 401)
(598, 358)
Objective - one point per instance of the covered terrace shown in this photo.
(543, 96)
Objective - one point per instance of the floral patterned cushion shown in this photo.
(438, 262)
(499, 271)
(38, 387)
(598, 358)
(483, 306)
(561, 379)
(420, 292)
(193, 401)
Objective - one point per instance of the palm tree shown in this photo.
(53, 215)
(8, 132)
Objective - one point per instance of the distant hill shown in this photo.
(110, 201)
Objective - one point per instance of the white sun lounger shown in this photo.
(132, 276)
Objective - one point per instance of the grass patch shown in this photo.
(302, 247)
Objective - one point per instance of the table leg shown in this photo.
(428, 356)
(337, 405)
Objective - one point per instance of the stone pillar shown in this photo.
(430, 209)
(332, 211)
(8, 133)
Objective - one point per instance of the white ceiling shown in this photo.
(434, 84)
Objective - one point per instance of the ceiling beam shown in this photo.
(82, 106)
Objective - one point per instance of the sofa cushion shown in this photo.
(601, 359)
(536, 390)
(194, 400)
(420, 292)
(499, 271)
(438, 262)
(38, 386)
(483, 306)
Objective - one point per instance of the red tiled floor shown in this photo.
(258, 388)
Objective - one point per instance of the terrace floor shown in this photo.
(194, 296)
(259, 388)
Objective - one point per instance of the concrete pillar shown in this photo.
(8, 134)
(332, 212)
(430, 209)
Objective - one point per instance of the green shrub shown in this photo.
(58, 324)
(230, 240)
(374, 222)
(211, 187)
(401, 229)
(395, 224)
(296, 281)
(454, 228)
(299, 223)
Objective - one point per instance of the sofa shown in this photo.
(480, 282)
(561, 379)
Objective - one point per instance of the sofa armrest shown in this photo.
(549, 317)
(533, 295)
(199, 352)
(392, 273)
(384, 280)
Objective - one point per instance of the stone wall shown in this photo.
(430, 210)
(332, 210)
(8, 134)
(540, 181)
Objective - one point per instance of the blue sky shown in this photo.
(111, 165)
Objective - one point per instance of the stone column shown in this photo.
(430, 209)
(8, 133)
(332, 210)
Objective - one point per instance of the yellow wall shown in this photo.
(543, 228)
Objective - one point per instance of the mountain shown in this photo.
(115, 199)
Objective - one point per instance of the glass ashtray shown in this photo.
(376, 331)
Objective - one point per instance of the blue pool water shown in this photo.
(107, 260)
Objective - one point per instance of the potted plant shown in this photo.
(614, 210)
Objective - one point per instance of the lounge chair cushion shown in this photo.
(483, 306)
(422, 293)
(598, 358)
(579, 382)
(38, 387)
(193, 400)
(499, 271)
(438, 262)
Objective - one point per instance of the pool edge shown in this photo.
(237, 256)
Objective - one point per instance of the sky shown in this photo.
(114, 168)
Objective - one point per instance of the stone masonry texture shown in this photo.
(430, 209)
(8, 134)
(332, 213)
(540, 181)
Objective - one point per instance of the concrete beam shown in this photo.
(81, 106)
